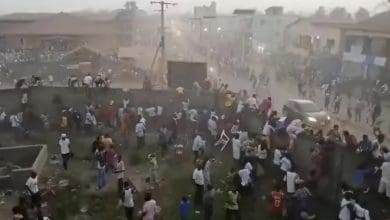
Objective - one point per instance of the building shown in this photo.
(268, 29)
(205, 11)
(307, 36)
(274, 10)
(366, 48)
(60, 31)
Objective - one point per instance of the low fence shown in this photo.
(18, 164)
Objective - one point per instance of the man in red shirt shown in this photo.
(266, 106)
(350, 140)
(277, 202)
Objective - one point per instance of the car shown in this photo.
(307, 111)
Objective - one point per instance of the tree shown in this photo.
(362, 14)
(340, 13)
(320, 13)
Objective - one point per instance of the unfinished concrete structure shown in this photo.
(16, 164)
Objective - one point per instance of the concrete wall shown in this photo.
(41, 98)
(29, 158)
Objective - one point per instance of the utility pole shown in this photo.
(163, 6)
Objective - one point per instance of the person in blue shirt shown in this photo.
(184, 208)
(359, 178)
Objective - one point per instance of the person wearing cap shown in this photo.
(64, 144)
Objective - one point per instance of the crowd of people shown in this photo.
(255, 155)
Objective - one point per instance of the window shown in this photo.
(304, 42)
(330, 43)
(309, 107)
(378, 47)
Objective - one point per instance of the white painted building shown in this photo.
(366, 48)
(269, 29)
(310, 36)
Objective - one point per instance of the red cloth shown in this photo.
(277, 202)
(351, 141)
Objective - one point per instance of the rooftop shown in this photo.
(60, 24)
(377, 23)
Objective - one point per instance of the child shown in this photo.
(184, 208)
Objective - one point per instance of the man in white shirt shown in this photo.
(15, 122)
(347, 207)
(128, 200)
(64, 144)
(277, 157)
(120, 173)
(245, 176)
(193, 115)
(32, 187)
(208, 170)
(291, 178)
(50, 79)
(198, 146)
(140, 133)
(384, 184)
(377, 146)
(285, 164)
(252, 102)
(212, 127)
(236, 145)
(362, 213)
(3, 116)
(198, 178)
(88, 80)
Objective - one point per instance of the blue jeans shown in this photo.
(101, 178)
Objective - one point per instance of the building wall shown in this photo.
(205, 11)
(101, 42)
(308, 37)
(269, 30)
(365, 55)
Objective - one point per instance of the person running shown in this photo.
(231, 205)
(292, 179)
(198, 146)
(337, 103)
(150, 208)
(120, 172)
(140, 133)
(358, 110)
(236, 148)
(327, 99)
(128, 200)
(101, 169)
(198, 178)
(184, 208)
(64, 144)
(277, 202)
(208, 202)
(384, 184)
(163, 140)
(33, 189)
(208, 170)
